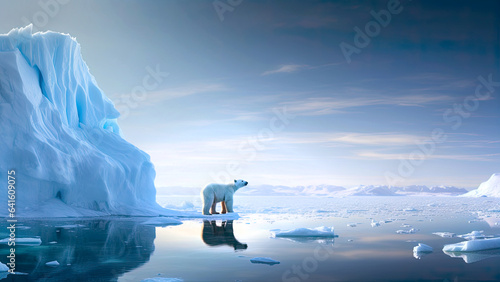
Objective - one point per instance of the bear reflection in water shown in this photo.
(214, 235)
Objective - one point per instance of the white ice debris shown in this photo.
(445, 234)
(375, 223)
(351, 224)
(265, 260)
(410, 231)
(473, 235)
(473, 245)
(23, 241)
(305, 232)
(53, 263)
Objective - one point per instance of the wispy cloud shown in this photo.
(350, 138)
(294, 68)
(329, 105)
(284, 69)
(173, 93)
(392, 156)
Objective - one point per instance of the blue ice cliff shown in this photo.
(58, 132)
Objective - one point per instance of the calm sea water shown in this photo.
(125, 249)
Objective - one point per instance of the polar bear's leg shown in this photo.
(214, 207)
(224, 210)
(208, 199)
(229, 205)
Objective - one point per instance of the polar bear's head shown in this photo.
(240, 183)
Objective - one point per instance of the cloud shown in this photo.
(295, 68)
(285, 69)
(350, 138)
(173, 93)
(421, 156)
(329, 105)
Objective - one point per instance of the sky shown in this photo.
(294, 92)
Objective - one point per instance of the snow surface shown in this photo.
(60, 135)
(263, 260)
(490, 188)
(305, 232)
(473, 245)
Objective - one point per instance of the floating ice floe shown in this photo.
(23, 241)
(473, 245)
(445, 234)
(411, 231)
(473, 235)
(351, 224)
(421, 250)
(53, 263)
(375, 223)
(3, 267)
(305, 232)
(262, 260)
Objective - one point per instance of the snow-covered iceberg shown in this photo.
(421, 250)
(490, 188)
(60, 135)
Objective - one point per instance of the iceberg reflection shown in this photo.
(471, 257)
(91, 250)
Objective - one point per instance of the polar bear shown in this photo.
(214, 193)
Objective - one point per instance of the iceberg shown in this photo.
(262, 260)
(60, 135)
(53, 263)
(421, 250)
(305, 232)
(473, 245)
(490, 188)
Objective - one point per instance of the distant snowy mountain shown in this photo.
(328, 190)
(368, 190)
(490, 188)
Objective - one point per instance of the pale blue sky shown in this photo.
(352, 122)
